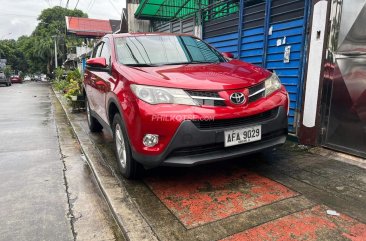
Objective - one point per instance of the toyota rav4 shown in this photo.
(174, 100)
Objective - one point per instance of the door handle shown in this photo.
(101, 85)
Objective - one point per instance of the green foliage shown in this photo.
(60, 85)
(15, 57)
(73, 89)
(59, 72)
(7, 71)
(71, 86)
(74, 75)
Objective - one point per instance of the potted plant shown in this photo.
(73, 91)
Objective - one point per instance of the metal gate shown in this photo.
(344, 121)
(268, 33)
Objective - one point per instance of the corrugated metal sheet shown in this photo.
(288, 24)
(252, 46)
(289, 73)
(225, 43)
(180, 26)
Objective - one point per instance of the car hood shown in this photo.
(219, 76)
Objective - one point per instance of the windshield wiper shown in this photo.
(192, 62)
(204, 62)
(142, 65)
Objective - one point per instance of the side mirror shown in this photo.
(228, 55)
(96, 63)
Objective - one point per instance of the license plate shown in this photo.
(242, 136)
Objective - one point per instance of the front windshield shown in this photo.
(164, 50)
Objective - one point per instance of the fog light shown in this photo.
(150, 140)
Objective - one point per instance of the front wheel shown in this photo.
(129, 168)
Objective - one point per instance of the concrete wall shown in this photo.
(135, 25)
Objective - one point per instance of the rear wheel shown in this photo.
(94, 125)
(128, 166)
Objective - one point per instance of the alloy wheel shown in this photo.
(88, 112)
(120, 146)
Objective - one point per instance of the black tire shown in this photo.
(130, 169)
(94, 125)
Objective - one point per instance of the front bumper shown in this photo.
(192, 146)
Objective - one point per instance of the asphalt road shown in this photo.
(47, 191)
(33, 201)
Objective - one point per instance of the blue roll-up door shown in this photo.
(222, 33)
(253, 34)
(287, 28)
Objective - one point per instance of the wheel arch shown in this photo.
(113, 107)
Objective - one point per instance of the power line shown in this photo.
(90, 5)
(119, 13)
(67, 4)
(76, 4)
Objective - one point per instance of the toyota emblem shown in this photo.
(237, 98)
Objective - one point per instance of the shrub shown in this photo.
(60, 85)
(73, 89)
(58, 74)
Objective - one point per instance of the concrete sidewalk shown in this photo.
(281, 195)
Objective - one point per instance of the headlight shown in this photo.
(160, 95)
(272, 84)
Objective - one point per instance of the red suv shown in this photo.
(174, 100)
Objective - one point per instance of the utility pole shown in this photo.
(56, 64)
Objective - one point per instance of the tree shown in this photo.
(15, 57)
(7, 71)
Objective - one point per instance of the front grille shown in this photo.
(211, 98)
(212, 124)
(207, 98)
(196, 150)
(253, 90)
(203, 93)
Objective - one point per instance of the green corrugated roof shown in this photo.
(168, 9)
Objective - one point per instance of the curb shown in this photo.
(124, 210)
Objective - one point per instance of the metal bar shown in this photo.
(180, 9)
(141, 9)
(303, 60)
(206, 98)
(266, 34)
(287, 3)
(258, 92)
(289, 11)
(240, 26)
